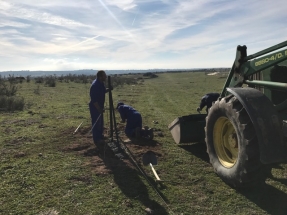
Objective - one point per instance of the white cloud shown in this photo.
(13, 24)
(32, 15)
(135, 34)
(5, 5)
(123, 4)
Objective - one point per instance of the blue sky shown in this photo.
(135, 34)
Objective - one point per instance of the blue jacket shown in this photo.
(97, 93)
(207, 100)
(127, 112)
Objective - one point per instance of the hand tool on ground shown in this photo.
(149, 158)
(77, 128)
(141, 170)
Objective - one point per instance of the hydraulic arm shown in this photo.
(245, 66)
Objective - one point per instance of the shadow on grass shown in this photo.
(197, 149)
(143, 142)
(268, 198)
(128, 180)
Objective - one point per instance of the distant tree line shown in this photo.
(150, 75)
(9, 85)
(9, 101)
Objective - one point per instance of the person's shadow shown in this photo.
(267, 197)
(128, 180)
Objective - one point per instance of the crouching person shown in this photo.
(207, 101)
(133, 121)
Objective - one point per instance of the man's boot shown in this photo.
(150, 133)
(138, 132)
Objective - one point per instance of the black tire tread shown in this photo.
(251, 171)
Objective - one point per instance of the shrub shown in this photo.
(50, 81)
(28, 78)
(8, 89)
(37, 90)
(11, 103)
(39, 80)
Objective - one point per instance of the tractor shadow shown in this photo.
(198, 150)
(268, 198)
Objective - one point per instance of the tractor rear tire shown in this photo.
(232, 144)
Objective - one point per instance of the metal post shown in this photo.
(111, 110)
(115, 123)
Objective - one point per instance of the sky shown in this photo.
(135, 34)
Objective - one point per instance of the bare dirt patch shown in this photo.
(103, 160)
(85, 178)
(20, 122)
(20, 155)
(18, 141)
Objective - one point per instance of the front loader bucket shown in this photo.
(188, 129)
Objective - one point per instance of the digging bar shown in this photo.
(95, 123)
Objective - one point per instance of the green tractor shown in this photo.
(246, 128)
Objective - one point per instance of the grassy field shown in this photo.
(45, 169)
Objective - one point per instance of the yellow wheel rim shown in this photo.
(225, 142)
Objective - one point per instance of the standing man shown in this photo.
(96, 105)
(207, 100)
(134, 122)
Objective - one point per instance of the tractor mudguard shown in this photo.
(266, 121)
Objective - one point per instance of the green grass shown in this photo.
(40, 175)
